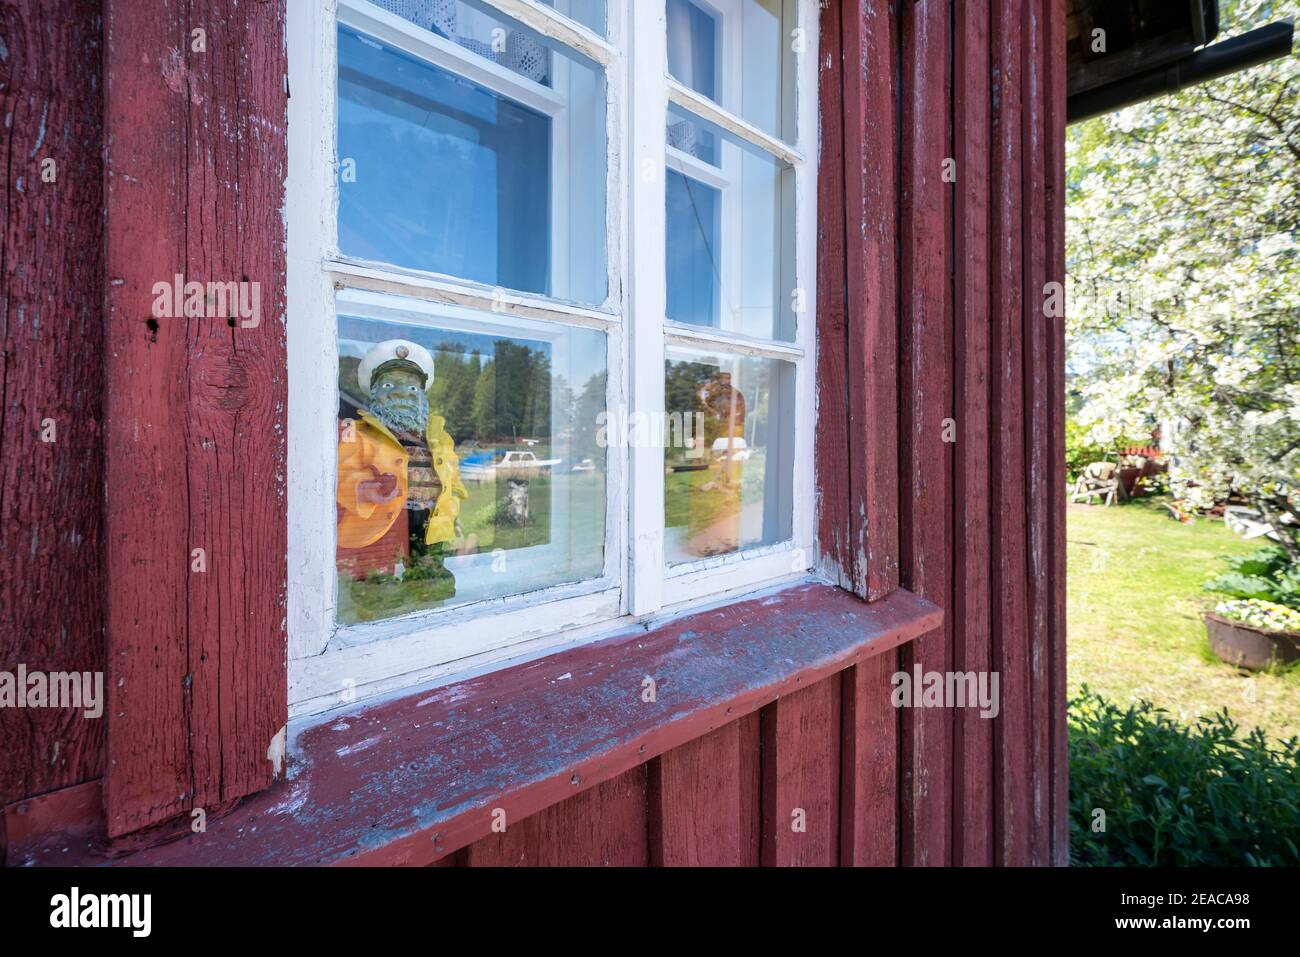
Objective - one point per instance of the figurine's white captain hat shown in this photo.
(394, 352)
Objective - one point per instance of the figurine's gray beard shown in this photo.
(402, 419)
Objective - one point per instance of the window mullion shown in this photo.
(649, 300)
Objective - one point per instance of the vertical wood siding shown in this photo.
(51, 347)
(930, 308)
(195, 441)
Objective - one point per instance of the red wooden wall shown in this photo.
(930, 308)
(929, 311)
(196, 407)
(51, 348)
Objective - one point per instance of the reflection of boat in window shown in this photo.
(485, 466)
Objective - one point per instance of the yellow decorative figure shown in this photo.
(397, 456)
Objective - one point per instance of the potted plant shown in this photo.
(1253, 633)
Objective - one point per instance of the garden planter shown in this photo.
(1249, 647)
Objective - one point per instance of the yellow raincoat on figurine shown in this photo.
(398, 456)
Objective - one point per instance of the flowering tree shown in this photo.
(1184, 288)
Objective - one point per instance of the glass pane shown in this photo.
(730, 233)
(738, 53)
(479, 27)
(443, 174)
(729, 464)
(468, 461)
(590, 13)
(481, 30)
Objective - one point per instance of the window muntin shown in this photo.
(642, 571)
(737, 53)
(462, 168)
(481, 477)
(730, 232)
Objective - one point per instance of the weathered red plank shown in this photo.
(1007, 459)
(195, 453)
(414, 780)
(51, 344)
(604, 826)
(870, 141)
(1037, 401)
(925, 458)
(1054, 141)
(837, 559)
(973, 735)
(801, 773)
(46, 826)
(703, 800)
(869, 764)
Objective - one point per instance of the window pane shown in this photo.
(481, 30)
(443, 174)
(730, 233)
(729, 466)
(590, 13)
(738, 53)
(468, 461)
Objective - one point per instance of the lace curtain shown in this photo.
(474, 30)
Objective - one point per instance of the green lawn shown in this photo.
(1134, 618)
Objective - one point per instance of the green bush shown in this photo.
(1267, 574)
(1079, 452)
(1175, 795)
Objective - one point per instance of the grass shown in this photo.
(1135, 629)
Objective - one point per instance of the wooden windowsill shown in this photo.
(410, 781)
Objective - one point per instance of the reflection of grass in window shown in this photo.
(688, 503)
(381, 597)
(424, 588)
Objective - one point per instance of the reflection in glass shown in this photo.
(478, 27)
(730, 233)
(737, 53)
(468, 462)
(728, 484)
(443, 174)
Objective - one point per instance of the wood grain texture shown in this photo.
(1054, 144)
(1007, 446)
(195, 454)
(925, 380)
(704, 800)
(972, 735)
(869, 764)
(415, 780)
(51, 341)
(837, 558)
(870, 150)
(604, 826)
(801, 772)
(1039, 491)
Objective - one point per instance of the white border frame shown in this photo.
(330, 666)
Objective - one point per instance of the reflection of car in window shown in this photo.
(731, 449)
(485, 466)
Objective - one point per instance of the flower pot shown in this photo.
(1247, 646)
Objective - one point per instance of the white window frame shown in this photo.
(332, 665)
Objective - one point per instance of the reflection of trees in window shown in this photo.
(587, 409)
(701, 388)
(505, 398)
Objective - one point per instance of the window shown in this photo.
(549, 318)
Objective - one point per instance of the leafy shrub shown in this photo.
(1080, 451)
(1175, 795)
(1267, 574)
(1259, 614)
